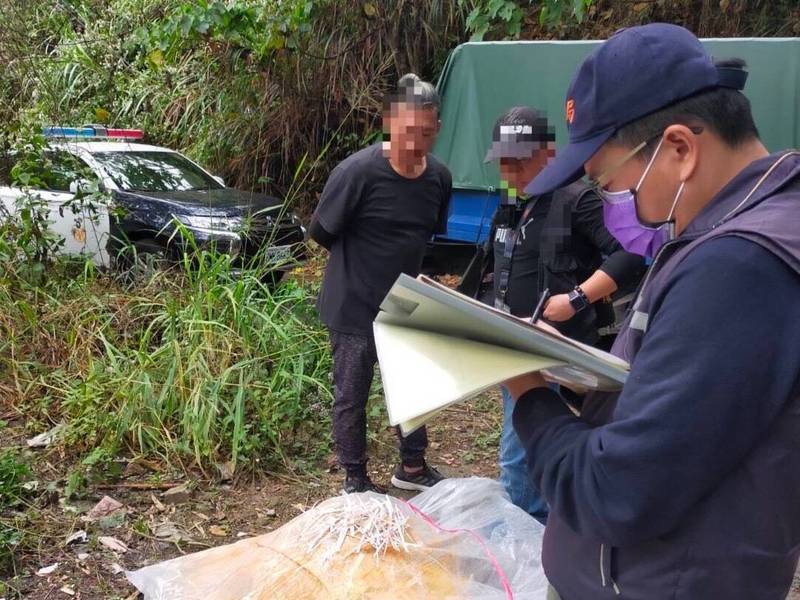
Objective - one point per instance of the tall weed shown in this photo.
(192, 363)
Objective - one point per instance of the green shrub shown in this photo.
(192, 363)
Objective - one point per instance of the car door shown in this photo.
(84, 228)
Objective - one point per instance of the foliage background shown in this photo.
(259, 90)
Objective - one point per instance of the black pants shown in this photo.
(354, 359)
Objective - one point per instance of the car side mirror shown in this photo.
(219, 180)
(79, 185)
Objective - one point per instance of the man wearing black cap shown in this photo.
(379, 208)
(687, 483)
(554, 242)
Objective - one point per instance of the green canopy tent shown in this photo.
(480, 80)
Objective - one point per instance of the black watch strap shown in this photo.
(578, 299)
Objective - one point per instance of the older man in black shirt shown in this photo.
(379, 208)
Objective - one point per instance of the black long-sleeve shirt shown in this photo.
(562, 241)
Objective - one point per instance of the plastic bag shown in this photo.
(461, 539)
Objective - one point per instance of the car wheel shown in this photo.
(142, 260)
(274, 277)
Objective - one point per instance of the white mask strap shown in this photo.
(649, 164)
(675, 202)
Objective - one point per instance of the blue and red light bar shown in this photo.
(93, 131)
(129, 134)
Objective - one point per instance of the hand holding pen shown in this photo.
(537, 312)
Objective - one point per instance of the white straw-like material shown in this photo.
(373, 522)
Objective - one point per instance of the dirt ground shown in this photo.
(463, 442)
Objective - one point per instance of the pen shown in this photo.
(537, 312)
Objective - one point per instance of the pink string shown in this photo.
(500, 573)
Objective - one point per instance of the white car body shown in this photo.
(83, 233)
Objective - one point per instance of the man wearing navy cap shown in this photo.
(686, 484)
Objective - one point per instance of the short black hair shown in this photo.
(413, 90)
(724, 111)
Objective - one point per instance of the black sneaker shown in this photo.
(355, 483)
(419, 481)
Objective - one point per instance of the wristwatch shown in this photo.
(578, 299)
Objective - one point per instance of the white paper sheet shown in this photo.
(424, 372)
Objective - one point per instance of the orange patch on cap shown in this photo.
(570, 111)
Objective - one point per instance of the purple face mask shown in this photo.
(619, 214)
(622, 220)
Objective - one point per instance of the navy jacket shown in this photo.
(686, 485)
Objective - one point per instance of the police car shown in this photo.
(157, 194)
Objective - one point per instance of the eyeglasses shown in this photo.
(602, 180)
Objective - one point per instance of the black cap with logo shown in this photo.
(518, 133)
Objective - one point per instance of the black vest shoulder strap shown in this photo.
(557, 234)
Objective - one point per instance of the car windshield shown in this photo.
(154, 172)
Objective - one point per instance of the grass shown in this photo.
(188, 368)
(192, 366)
(13, 475)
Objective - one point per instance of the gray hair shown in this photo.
(413, 90)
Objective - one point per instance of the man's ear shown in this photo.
(682, 147)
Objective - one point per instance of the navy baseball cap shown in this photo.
(518, 133)
(637, 71)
